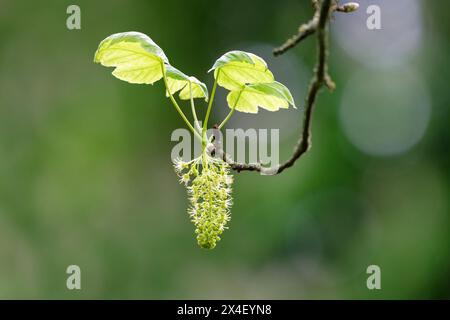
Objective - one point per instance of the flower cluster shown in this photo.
(208, 182)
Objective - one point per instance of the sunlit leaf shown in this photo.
(136, 57)
(237, 68)
(269, 96)
(177, 80)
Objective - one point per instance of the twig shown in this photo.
(307, 29)
(320, 78)
(304, 31)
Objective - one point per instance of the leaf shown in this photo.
(136, 57)
(269, 96)
(237, 68)
(177, 80)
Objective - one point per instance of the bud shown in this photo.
(348, 7)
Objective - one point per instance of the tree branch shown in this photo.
(304, 31)
(317, 25)
(307, 29)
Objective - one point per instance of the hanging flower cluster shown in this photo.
(208, 183)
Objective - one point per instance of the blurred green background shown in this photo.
(86, 176)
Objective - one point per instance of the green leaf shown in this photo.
(269, 96)
(177, 80)
(237, 68)
(136, 57)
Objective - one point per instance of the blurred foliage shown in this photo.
(86, 176)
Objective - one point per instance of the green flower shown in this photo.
(208, 184)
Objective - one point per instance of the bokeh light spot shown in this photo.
(385, 113)
(398, 39)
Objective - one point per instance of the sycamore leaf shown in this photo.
(269, 96)
(237, 68)
(136, 57)
(177, 80)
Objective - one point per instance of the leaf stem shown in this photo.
(177, 107)
(231, 111)
(205, 123)
(194, 113)
(228, 115)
